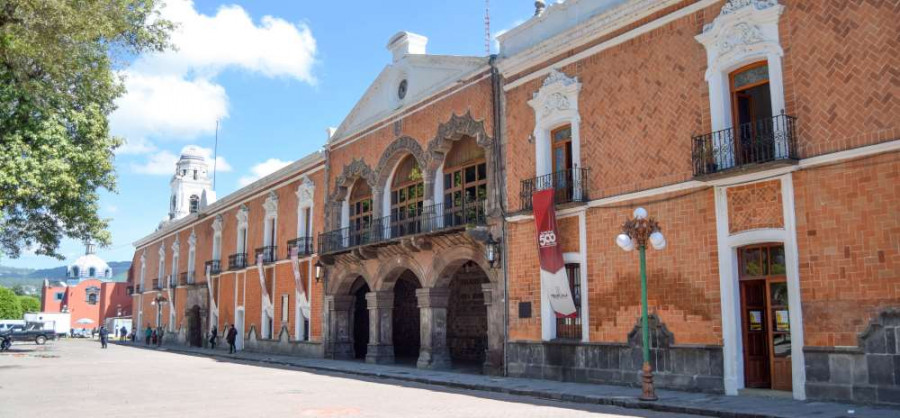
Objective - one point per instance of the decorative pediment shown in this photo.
(176, 246)
(162, 251)
(744, 30)
(305, 192)
(271, 204)
(242, 214)
(218, 223)
(192, 240)
(557, 97)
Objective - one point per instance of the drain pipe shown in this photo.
(500, 182)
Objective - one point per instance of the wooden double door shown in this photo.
(765, 317)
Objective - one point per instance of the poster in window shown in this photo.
(782, 322)
(755, 320)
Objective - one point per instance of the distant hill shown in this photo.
(11, 276)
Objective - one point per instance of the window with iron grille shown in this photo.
(570, 328)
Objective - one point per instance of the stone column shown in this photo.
(493, 362)
(381, 339)
(340, 340)
(434, 353)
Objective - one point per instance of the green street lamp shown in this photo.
(638, 232)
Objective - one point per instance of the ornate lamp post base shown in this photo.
(649, 393)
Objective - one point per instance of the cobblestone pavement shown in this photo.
(76, 378)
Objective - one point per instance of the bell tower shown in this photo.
(191, 185)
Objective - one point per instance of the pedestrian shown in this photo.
(104, 336)
(124, 333)
(231, 337)
(212, 337)
(153, 338)
(93, 332)
(148, 333)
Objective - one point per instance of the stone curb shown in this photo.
(623, 402)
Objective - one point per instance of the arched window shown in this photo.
(92, 272)
(173, 203)
(407, 197)
(465, 182)
(75, 272)
(195, 204)
(360, 212)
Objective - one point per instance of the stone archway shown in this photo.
(359, 318)
(195, 324)
(406, 331)
(467, 322)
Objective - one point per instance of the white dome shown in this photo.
(89, 266)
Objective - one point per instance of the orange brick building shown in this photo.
(762, 135)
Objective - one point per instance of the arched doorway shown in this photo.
(405, 318)
(467, 322)
(360, 318)
(195, 339)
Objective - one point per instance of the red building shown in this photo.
(87, 294)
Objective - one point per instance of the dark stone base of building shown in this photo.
(691, 368)
(870, 374)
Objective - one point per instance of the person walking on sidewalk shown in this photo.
(212, 337)
(123, 332)
(104, 336)
(231, 337)
(148, 333)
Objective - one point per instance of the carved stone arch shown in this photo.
(391, 269)
(343, 276)
(453, 130)
(447, 262)
(357, 169)
(401, 147)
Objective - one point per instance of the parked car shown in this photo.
(7, 324)
(31, 331)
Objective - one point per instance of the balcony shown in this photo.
(570, 186)
(745, 147)
(139, 289)
(131, 290)
(429, 220)
(157, 284)
(214, 266)
(304, 246)
(267, 254)
(186, 278)
(237, 261)
(172, 281)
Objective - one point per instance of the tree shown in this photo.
(59, 62)
(29, 304)
(19, 290)
(9, 305)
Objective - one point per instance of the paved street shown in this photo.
(77, 378)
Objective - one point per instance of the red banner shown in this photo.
(554, 281)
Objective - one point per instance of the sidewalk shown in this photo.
(669, 401)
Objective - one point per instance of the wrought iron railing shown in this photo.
(429, 219)
(157, 284)
(139, 288)
(267, 254)
(761, 141)
(304, 246)
(237, 261)
(131, 291)
(568, 186)
(215, 266)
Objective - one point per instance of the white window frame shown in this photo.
(242, 216)
(143, 269)
(305, 200)
(270, 220)
(217, 238)
(176, 257)
(161, 273)
(744, 33)
(555, 105)
(192, 256)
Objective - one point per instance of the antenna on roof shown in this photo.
(215, 154)
(487, 27)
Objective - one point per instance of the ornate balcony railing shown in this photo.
(427, 220)
(569, 186)
(131, 290)
(267, 254)
(215, 266)
(157, 284)
(758, 142)
(237, 261)
(304, 246)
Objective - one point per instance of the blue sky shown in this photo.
(277, 73)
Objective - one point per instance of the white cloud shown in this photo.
(261, 170)
(112, 209)
(162, 163)
(174, 95)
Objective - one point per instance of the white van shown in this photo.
(7, 324)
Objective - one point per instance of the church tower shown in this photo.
(191, 185)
